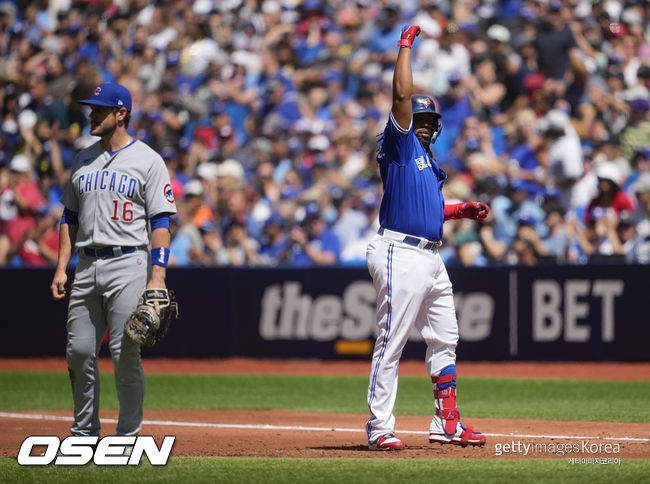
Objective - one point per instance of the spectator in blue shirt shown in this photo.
(382, 38)
(312, 243)
(455, 107)
(523, 143)
(510, 211)
(274, 239)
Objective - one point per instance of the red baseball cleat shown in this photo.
(463, 436)
(386, 442)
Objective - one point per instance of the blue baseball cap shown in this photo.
(312, 209)
(275, 219)
(110, 94)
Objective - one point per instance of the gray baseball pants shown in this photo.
(104, 294)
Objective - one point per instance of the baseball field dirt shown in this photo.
(283, 433)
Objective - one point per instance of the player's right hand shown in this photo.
(408, 35)
(58, 285)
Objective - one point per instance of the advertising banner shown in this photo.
(560, 313)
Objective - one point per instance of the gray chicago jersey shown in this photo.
(115, 194)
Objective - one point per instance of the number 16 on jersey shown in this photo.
(125, 214)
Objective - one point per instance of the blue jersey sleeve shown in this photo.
(396, 142)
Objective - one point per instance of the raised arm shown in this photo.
(403, 77)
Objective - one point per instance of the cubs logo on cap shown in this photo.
(110, 94)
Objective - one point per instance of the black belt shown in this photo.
(411, 240)
(110, 251)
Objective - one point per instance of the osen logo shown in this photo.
(80, 450)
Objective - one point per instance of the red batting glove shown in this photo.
(473, 210)
(408, 35)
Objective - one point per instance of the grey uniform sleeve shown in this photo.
(159, 196)
(69, 197)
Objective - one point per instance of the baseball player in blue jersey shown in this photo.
(410, 278)
(118, 190)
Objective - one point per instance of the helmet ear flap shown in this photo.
(437, 132)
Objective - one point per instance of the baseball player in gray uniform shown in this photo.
(118, 187)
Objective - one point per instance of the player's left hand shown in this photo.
(149, 329)
(156, 283)
(475, 210)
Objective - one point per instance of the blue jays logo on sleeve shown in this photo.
(169, 193)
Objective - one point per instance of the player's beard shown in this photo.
(104, 129)
(425, 138)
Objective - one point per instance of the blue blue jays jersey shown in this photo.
(413, 203)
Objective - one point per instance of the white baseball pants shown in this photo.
(413, 288)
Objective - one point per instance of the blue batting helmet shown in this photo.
(421, 104)
(424, 104)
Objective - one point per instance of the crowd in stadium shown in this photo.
(267, 113)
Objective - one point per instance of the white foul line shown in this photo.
(173, 423)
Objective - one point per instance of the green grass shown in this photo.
(357, 471)
(498, 398)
